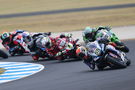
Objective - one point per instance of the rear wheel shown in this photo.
(117, 62)
(126, 49)
(121, 46)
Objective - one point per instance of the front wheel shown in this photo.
(128, 61)
(3, 54)
(116, 62)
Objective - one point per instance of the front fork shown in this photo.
(91, 64)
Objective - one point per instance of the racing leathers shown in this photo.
(59, 48)
(37, 47)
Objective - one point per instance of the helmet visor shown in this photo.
(48, 45)
(88, 35)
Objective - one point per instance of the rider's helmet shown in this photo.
(81, 51)
(46, 42)
(5, 36)
(88, 32)
(26, 36)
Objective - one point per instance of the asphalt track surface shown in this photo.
(67, 10)
(74, 75)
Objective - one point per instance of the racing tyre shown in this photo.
(128, 61)
(117, 62)
(121, 46)
(3, 54)
(126, 49)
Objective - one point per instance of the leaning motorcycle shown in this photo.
(20, 47)
(103, 57)
(71, 46)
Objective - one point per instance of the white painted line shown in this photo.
(18, 70)
(13, 65)
(17, 73)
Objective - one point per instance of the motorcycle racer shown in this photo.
(95, 51)
(22, 40)
(58, 47)
(11, 39)
(65, 47)
(37, 46)
(7, 40)
(52, 48)
(92, 34)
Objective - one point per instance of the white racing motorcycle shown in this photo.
(104, 55)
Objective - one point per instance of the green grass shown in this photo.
(63, 22)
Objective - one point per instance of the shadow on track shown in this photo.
(57, 61)
(19, 55)
(105, 70)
